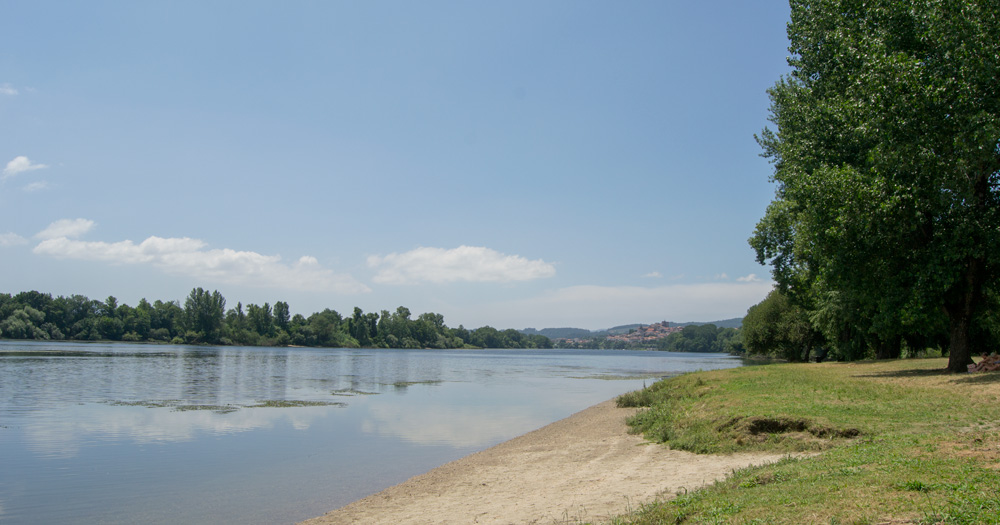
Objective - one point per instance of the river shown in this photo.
(121, 433)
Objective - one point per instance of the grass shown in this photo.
(620, 377)
(894, 442)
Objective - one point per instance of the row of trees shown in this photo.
(885, 228)
(703, 338)
(204, 319)
(598, 343)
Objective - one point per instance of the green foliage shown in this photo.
(282, 317)
(703, 338)
(204, 320)
(777, 328)
(23, 324)
(887, 209)
(203, 315)
(260, 319)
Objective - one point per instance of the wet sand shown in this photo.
(584, 467)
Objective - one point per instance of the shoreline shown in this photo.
(584, 467)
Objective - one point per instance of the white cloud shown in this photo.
(21, 164)
(11, 239)
(722, 276)
(66, 228)
(186, 256)
(752, 278)
(653, 275)
(36, 186)
(7, 89)
(465, 263)
(597, 307)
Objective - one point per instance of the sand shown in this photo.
(585, 467)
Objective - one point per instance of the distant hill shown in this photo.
(560, 333)
(583, 333)
(735, 322)
(623, 329)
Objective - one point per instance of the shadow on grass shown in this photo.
(925, 372)
(980, 378)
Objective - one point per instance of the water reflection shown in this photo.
(60, 433)
(99, 433)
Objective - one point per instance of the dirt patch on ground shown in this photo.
(585, 467)
(980, 445)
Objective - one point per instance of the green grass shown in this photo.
(895, 442)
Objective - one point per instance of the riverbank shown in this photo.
(897, 441)
(586, 467)
(901, 441)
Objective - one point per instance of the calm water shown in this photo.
(94, 433)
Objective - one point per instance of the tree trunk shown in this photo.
(965, 298)
(959, 353)
(889, 348)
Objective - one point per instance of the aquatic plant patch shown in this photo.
(405, 384)
(180, 406)
(351, 392)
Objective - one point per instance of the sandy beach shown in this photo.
(584, 467)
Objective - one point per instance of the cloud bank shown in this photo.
(462, 264)
(599, 307)
(193, 258)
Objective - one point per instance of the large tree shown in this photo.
(204, 314)
(887, 163)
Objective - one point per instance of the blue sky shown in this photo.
(514, 164)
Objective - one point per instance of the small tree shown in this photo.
(777, 328)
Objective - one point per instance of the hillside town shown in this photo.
(646, 334)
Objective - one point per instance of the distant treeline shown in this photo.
(704, 338)
(204, 319)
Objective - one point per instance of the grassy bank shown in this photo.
(896, 442)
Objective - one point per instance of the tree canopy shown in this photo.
(886, 222)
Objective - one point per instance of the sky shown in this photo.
(513, 164)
